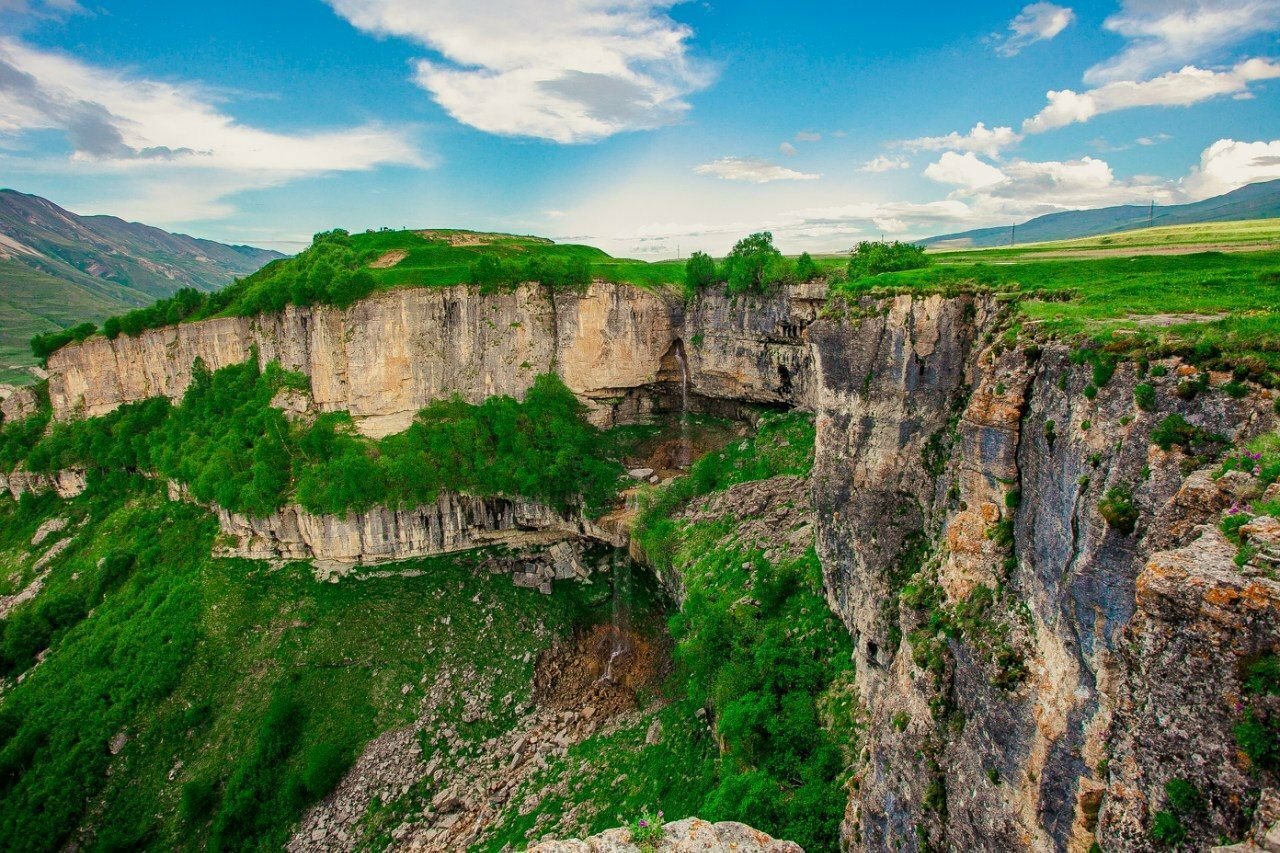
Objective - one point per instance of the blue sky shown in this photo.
(647, 128)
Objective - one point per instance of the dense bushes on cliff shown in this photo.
(231, 447)
(187, 703)
(756, 643)
(875, 258)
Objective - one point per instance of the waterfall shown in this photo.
(686, 452)
(620, 630)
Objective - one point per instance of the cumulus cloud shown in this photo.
(751, 171)
(1036, 22)
(885, 163)
(963, 170)
(1166, 34)
(981, 140)
(788, 149)
(1182, 88)
(1228, 165)
(808, 136)
(588, 70)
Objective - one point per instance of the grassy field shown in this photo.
(1222, 309)
(1251, 234)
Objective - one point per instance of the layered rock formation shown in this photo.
(1032, 669)
(688, 834)
(1021, 659)
(387, 357)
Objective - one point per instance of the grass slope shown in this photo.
(233, 694)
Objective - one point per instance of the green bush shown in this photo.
(1167, 830)
(754, 265)
(806, 269)
(1118, 510)
(1259, 738)
(45, 345)
(199, 798)
(1144, 396)
(1184, 797)
(875, 258)
(699, 273)
(1262, 676)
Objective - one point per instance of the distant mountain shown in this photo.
(1255, 201)
(58, 269)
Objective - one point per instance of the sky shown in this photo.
(649, 129)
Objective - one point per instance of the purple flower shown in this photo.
(643, 823)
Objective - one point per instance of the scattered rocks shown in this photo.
(53, 525)
(689, 834)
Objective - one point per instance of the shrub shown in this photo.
(806, 269)
(199, 797)
(1090, 391)
(699, 273)
(1175, 430)
(1167, 830)
(1259, 739)
(1145, 397)
(753, 264)
(874, 258)
(326, 764)
(1262, 676)
(45, 345)
(1184, 798)
(1118, 510)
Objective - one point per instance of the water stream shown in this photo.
(686, 451)
(620, 632)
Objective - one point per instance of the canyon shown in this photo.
(959, 475)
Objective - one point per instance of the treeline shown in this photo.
(230, 446)
(754, 265)
(493, 273)
(329, 273)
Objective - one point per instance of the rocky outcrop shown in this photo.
(1011, 645)
(386, 357)
(337, 544)
(683, 835)
(67, 483)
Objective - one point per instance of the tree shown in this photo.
(871, 259)
(747, 265)
(699, 273)
(806, 269)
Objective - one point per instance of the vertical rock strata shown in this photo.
(1031, 675)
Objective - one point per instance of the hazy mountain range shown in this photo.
(1255, 201)
(58, 268)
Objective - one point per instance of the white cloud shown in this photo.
(1227, 165)
(981, 140)
(889, 224)
(963, 170)
(1036, 22)
(808, 136)
(885, 163)
(580, 72)
(1155, 139)
(752, 171)
(184, 156)
(788, 149)
(1182, 88)
(1166, 34)
(111, 118)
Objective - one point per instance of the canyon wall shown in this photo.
(385, 358)
(1032, 675)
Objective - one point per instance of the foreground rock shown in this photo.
(683, 835)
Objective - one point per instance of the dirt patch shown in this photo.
(473, 238)
(599, 669)
(389, 260)
(1186, 249)
(1165, 320)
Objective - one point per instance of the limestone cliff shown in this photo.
(387, 357)
(1031, 673)
(1021, 660)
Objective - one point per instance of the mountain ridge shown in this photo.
(1252, 201)
(58, 268)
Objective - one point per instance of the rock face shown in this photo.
(68, 483)
(337, 544)
(1032, 675)
(684, 835)
(1048, 628)
(387, 357)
